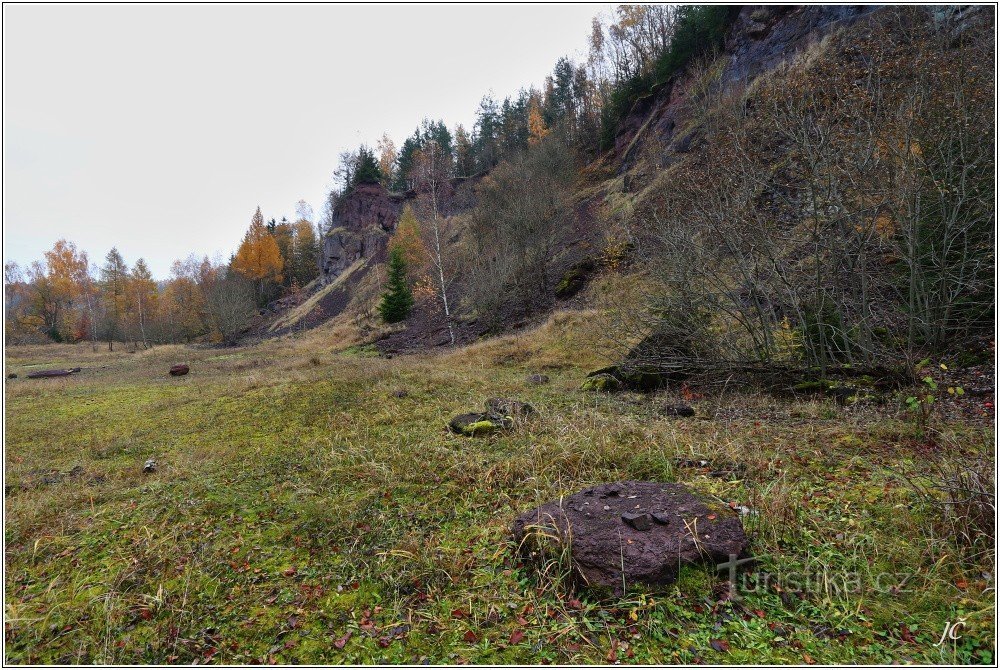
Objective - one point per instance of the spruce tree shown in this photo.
(397, 301)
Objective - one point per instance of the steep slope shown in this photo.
(664, 132)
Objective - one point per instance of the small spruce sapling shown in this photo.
(397, 301)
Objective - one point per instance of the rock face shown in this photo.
(759, 40)
(362, 224)
(179, 370)
(648, 527)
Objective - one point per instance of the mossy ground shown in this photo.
(303, 513)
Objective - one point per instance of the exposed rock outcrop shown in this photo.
(362, 224)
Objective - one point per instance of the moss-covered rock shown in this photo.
(478, 425)
(601, 382)
(574, 279)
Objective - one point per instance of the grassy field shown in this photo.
(302, 513)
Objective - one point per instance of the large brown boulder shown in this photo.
(647, 528)
(179, 370)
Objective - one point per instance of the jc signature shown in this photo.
(951, 631)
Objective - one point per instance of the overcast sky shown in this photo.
(159, 129)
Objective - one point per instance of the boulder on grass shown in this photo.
(628, 533)
(179, 370)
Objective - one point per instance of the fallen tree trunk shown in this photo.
(42, 374)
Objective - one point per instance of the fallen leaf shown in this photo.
(457, 614)
(470, 637)
(290, 572)
(808, 659)
(340, 643)
(962, 584)
(712, 517)
(516, 637)
(719, 645)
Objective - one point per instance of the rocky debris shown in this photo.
(11, 375)
(691, 463)
(507, 407)
(149, 466)
(179, 370)
(500, 414)
(42, 374)
(611, 527)
(537, 379)
(678, 410)
(641, 522)
(600, 382)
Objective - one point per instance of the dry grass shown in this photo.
(298, 500)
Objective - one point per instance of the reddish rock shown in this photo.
(609, 526)
(179, 370)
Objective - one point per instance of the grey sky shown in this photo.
(159, 129)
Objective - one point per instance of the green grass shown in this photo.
(303, 513)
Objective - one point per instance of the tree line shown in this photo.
(631, 52)
(66, 298)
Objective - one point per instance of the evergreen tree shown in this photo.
(368, 171)
(398, 300)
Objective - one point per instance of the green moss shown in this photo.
(479, 428)
(601, 383)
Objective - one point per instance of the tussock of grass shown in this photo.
(298, 500)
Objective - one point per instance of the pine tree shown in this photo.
(368, 171)
(398, 300)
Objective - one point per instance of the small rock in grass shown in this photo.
(678, 410)
(400, 393)
(179, 370)
(11, 375)
(507, 407)
(150, 466)
(538, 379)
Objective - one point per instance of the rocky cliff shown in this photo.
(362, 224)
(761, 38)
